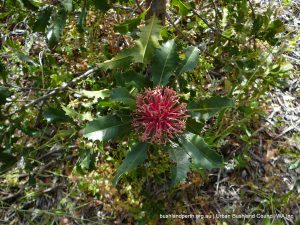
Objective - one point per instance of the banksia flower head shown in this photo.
(159, 115)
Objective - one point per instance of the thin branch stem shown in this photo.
(3, 4)
(253, 18)
(57, 90)
(214, 29)
(139, 6)
(117, 6)
(252, 10)
(179, 31)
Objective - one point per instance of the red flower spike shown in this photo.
(159, 115)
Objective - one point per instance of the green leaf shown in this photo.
(200, 153)
(28, 130)
(6, 161)
(276, 27)
(25, 58)
(67, 4)
(143, 50)
(193, 126)
(207, 108)
(191, 60)
(134, 158)
(266, 221)
(81, 23)
(4, 93)
(122, 60)
(164, 63)
(122, 95)
(95, 94)
(75, 115)
(54, 115)
(31, 180)
(101, 5)
(128, 25)
(136, 79)
(182, 159)
(3, 70)
(184, 8)
(147, 43)
(257, 24)
(29, 5)
(106, 128)
(294, 165)
(43, 21)
(87, 159)
(56, 29)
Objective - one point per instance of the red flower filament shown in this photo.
(159, 115)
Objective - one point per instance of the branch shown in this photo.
(179, 31)
(139, 6)
(117, 6)
(214, 29)
(3, 4)
(15, 195)
(56, 90)
(127, 8)
(292, 127)
(252, 10)
(253, 18)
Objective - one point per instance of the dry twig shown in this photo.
(56, 90)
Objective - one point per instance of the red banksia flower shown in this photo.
(159, 115)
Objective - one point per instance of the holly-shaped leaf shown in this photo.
(143, 50)
(68, 5)
(57, 27)
(95, 94)
(87, 158)
(191, 60)
(43, 20)
(193, 126)
(29, 5)
(164, 62)
(102, 5)
(257, 24)
(200, 153)
(3, 70)
(4, 93)
(72, 113)
(128, 25)
(106, 128)
(6, 161)
(82, 17)
(122, 60)
(134, 158)
(182, 159)
(205, 109)
(122, 95)
(138, 80)
(147, 43)
(184, 8)
(56, 115)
